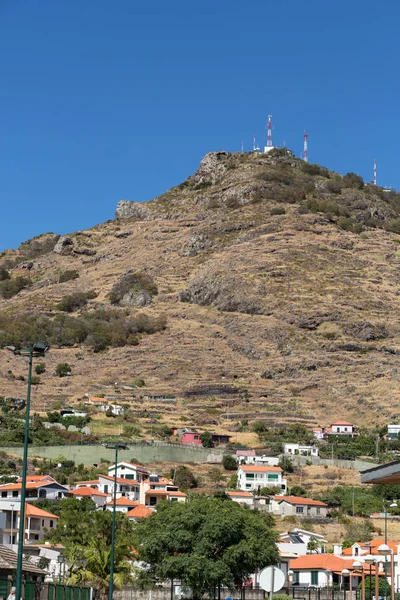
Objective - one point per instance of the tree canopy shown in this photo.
(206, 542)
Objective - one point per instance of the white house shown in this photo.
(319, 570)
(36, 522)
(130, 471)
(359, 550)
(319, 433)
(286, 506)
(393, 432)
(128, 488)
(300, 450)
(241, 497)
(254, 477)
(122, 504)
(260, 461)
(99, 498)
(341, 428)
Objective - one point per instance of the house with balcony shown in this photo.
(157, 488)
(320, 571)
(99, 498)
(37, 522)
(287, 506)
(300, 542)
(253, 477)
(241, 497)
(122, 504)
(37, 488)
(129, 471)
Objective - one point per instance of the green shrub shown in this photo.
(63, 369)
(348, 224)
(278, 210)
(229, 463)
(393, 225)
(35, 380)
(68, 276)
(40, 368)
(313, 169)
(72, 302)
(138, 382)
(352, 180)
(11, 287)
(4, 274)
(203, 185)
(132, 282)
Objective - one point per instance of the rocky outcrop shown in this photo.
(212, 167)
(64, 246)
(196, 243)
(133, 210)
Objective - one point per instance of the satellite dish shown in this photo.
(272, 579)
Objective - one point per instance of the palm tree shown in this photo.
(95, 567)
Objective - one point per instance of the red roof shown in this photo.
(326, 562)
(30, 485)
(240, 494)
(87, 491)
(342, 423)
(299, 500)
(165, 493)
(140, 512)
(123, 502)
(41, 478)
(255, 469)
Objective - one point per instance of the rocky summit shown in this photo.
(261, 288)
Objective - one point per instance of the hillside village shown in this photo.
(234, 337)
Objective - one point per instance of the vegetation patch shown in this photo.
(72, 302)
(11, 287)
(130, 286)
(68, 276)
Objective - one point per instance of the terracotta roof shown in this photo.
(327, 562)
(371, 548)
(342, 423)
(89, 482)
(8, 562)
(177, 494)
(41, 478)
(87, 491)
(255, 469)
(123, 502)
(299, 500)
(30, 485)
(161, 481)
(34, 511)
(241, 494)
(140, 512)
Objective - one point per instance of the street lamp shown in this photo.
(38, 349)
(386, 551)
(357, 565)
(386, 505)
(60, 560)
(370, 560)
(12, 524)
(115, 447)
(289, 577)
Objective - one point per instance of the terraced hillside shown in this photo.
(269, 289)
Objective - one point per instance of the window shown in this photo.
(314, 577)
(152, 500)
(273, 477)
(130, 476)
(174, 499)
(51, 523)
(105, 489)
(196, 437)
(296, 577)
(345, 429)
(42, 493)
(42, 522)
(15, 494)
(356, 551)
(248, 486)
(318, 510)
(299, 509)
(4, 494)
(249, 475)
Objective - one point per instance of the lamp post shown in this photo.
(370, 560)
(289, 578)
(115, 447)
(386, 505)
(38, 349)
(358, 566)
(386, 551)
(60, 560)
(345, 573)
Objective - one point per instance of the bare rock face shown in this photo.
(64, 246)
(133, 210)
(196, 243)
(136, 298)
(212, 167)
(365, 331)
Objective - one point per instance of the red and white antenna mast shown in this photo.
(269, 136)
(374, 171)
(305, 148)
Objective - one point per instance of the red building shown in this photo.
(191, 437)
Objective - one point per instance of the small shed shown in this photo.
(8, 568)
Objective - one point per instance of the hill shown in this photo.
(261, 288)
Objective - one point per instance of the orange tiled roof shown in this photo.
(251, 468)
(161, 481)
(177, 494)
(41, 478)
(87, 491)
(238, 493)
(30, 485)
(33, 511)
(299, 500)
(342, 423)
(89, 482)
(123, 502)
(121, 480)
(140, 512)
(326, 562)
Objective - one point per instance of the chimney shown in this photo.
(337, 549)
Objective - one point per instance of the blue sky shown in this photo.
(102, 101)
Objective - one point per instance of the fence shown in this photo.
(37, 590)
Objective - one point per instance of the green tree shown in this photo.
(183, 477)
(298, 490)
(63, 369)
(206, 439)
(270, 490)
(229, 463)
(204, 542)
(286, 464)
(233, 482)
(383, 587)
